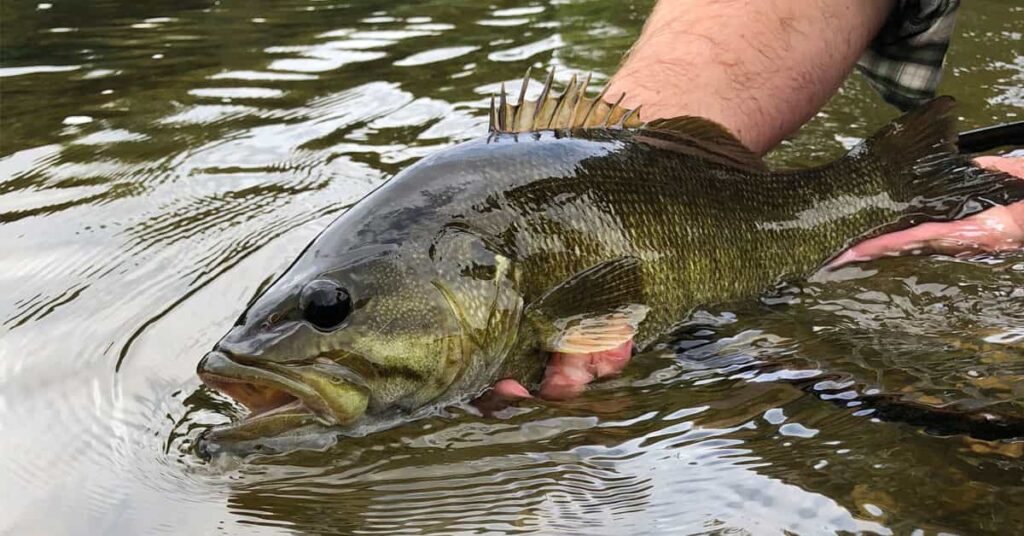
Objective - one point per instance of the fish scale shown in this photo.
(473, 263)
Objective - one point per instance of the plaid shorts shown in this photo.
(904, 61)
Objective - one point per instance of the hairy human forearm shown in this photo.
(761, 68)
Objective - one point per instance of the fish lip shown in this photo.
(222, 372)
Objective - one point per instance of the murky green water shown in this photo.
(160, 160)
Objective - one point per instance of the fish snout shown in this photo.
(242, 341)
(289, 343)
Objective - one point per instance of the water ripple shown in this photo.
(161, 162)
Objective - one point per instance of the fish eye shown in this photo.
(325, 304)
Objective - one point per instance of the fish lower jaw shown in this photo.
(264, 393)
(333, 396)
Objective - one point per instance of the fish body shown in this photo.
(474, 263)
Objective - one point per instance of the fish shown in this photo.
(572, 226)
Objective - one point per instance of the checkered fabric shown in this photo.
(904, 61)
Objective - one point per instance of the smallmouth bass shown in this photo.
(571, 227)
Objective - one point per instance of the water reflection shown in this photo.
(160, 161)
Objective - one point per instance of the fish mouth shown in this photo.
(284, 396)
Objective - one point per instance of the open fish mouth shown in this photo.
(291, 407)
(281, 397)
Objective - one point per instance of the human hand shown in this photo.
(996, 229)
(565, 377)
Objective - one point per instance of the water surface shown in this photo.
(160, 161)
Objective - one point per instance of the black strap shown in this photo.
(988, 138)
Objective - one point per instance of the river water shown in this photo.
(161, 160)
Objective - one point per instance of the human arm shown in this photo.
(761, 68)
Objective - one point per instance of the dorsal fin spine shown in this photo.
(522, 99)
(593, 104)
(492, 123)
(581, 97)
(535, 124)
(568, 92)
(611, 110)
(628, 115)
(503, 105)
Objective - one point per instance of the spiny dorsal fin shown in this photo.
(573, 110)
(570, 109)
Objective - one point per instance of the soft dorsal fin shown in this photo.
(701, 137)
(573, 110)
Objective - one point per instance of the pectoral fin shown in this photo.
(587, 334)
(595, 310)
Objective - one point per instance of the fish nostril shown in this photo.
(270, 322)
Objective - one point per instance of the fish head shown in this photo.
(366, 336)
